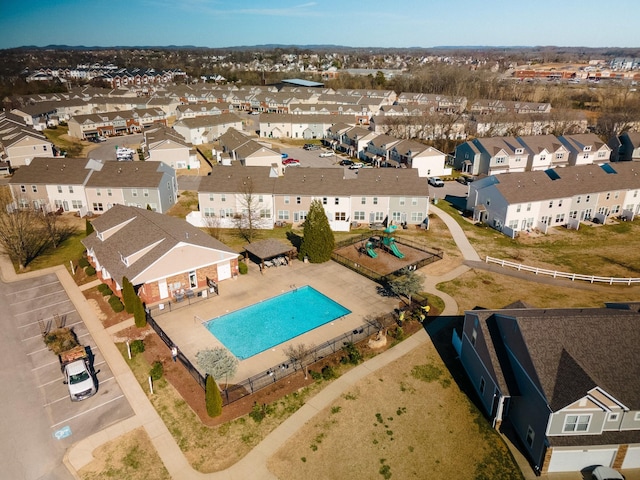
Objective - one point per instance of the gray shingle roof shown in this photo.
(52, 171)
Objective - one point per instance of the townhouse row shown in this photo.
(556, 197)
(233, 195)
(498, 155)
(92, 187)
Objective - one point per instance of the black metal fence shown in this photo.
(272, 375)
(171, 305)
(183, 359)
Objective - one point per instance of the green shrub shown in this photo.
(156, 371)
(328, 373)
(315, 375)
(90, 271)
(213, 399)
(242, 267)
(83, 263)
(116, 304)
(258, 412)
(354, 356)
(139, 315)
(136, 347)
(104, 289)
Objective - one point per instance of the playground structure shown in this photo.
(387, 243)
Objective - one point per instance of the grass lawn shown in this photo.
(408, 420)
(59, 136)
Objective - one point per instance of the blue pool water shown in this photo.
(257, 328)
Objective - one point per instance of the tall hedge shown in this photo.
(318, 241)
(139, 315)
(128, 295)
(213, 399)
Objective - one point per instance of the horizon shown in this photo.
(220, 24)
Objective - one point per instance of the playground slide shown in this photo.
(394, 249)
(370, 251)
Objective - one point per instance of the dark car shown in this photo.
(311, 146)
(346, 163)
(464, 180)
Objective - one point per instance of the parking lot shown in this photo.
(36, 390)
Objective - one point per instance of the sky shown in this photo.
(370, 23)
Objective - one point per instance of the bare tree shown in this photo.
(301, 354)
(56, 230)
(212, 226)
(249, 219)
(21, 234)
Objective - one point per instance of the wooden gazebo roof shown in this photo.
(270, 248)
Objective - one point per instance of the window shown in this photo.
(358, 215)
(576, 423)
(543, 158)
(378, 217)
(324, 200)
(76, 204)
(518, 208)
(98, 192)
(559, 156)
(375, 200)
(134, 192)
(109, 192)
(474, 336)
(513, 224)
(260, 198)
(396, 216)
(585, 156)
(287, 200)
(402, 201)
(70, 189)
(530, 436)
(482, 385)
(578, 199)
(414, 201)
(551, 204)
(416, 216)
(613, 417)
(298, 200)
(59, 188)
(528, 207)
(209, 212)
(223, 197)
(211, 197)
(615, 209)
(23, 189)
(145, 192)
(602, 154)
(283, 214)
(34, 188)
(363, 201)
(341, 216)
(226, 212)
(587, 198)
(97, 207)
(608, 195)
(560, 218)
(265, 213)
(336, 201)
(573, 214)
(559, 203)
(501, 160)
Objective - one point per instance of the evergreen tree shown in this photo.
(139, 315)
(318, 241)
(213, 399)
(128, 295)
(88, 226)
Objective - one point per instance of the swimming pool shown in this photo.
(257, 328)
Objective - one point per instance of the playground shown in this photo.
(382, 253)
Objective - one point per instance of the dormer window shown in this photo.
(587, 148)
(519, 151)
(124, 260)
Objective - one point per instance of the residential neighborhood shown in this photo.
(205, 196)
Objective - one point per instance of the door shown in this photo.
(163, 289)
(224, 271)
(577, 459)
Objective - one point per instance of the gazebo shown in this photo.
(269, 253)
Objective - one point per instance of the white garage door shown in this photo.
(575, 460)
(632, 460)
(224, 271)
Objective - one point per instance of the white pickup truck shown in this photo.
(76, 369)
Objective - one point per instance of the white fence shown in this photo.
(556, 274)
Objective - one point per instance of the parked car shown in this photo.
(76, 369)
(356, 166)
(327, 153)
(606, 473)
(284, 155)
(436, 182)
(290, 161)
(102, 139)
(346, 163)
(311, 146)
(464, 180)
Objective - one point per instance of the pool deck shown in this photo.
(342, 285)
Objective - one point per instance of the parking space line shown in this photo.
(59, 379)
(43, 366)
(57, 292)
(42, 308)
(40, 335)
(35, 323)
(56, 425)
(35, 288)
(66, 397)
